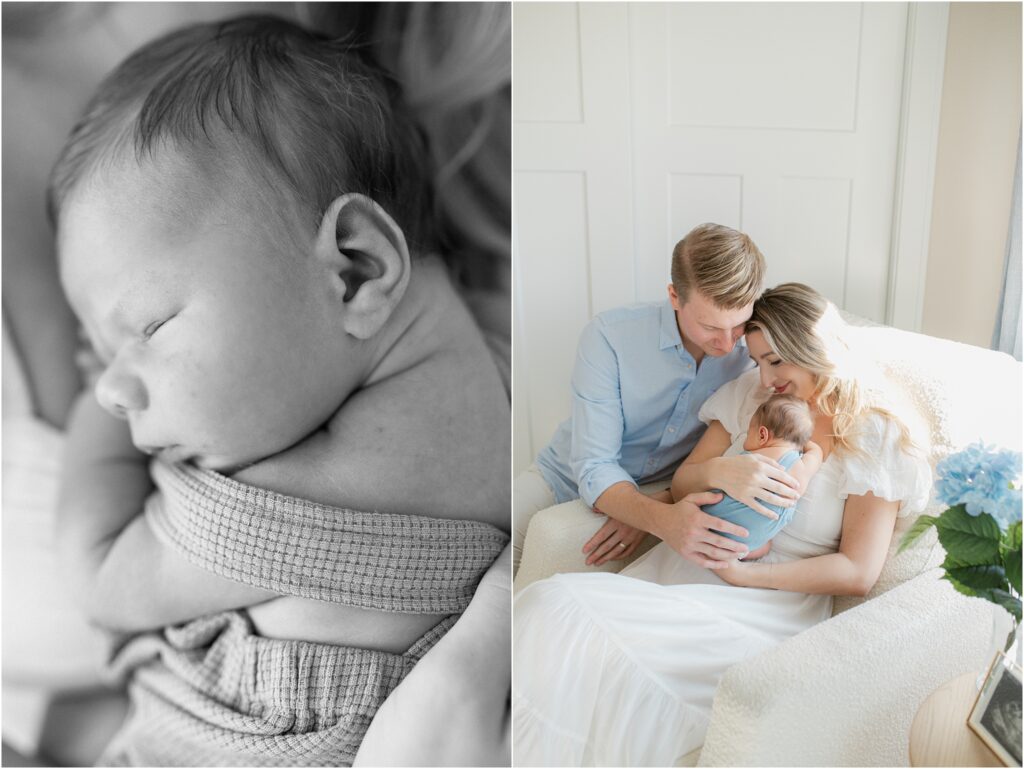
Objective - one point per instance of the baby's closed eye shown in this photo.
(156, 325)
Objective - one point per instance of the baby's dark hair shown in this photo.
(787, 418)
(288, 105)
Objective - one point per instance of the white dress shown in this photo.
(621, 669)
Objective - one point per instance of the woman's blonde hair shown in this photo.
(805, 329)
(719, 263)
(454, 64)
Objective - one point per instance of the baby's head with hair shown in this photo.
(782, 419)
(235, 214)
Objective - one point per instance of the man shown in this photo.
(641, 376)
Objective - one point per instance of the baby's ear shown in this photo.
(368, 259)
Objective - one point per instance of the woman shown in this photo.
(638, 660)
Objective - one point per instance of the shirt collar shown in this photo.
(669, 328)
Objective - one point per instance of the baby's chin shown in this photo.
(222, 465)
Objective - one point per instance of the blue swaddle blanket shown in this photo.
(760, 528)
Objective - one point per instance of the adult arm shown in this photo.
(598, 423)
(453, 708)
(596, 447)
(687, 528)
(126, 579)
(605, 545)
(745, 477)
(682, 525)
(868, 523)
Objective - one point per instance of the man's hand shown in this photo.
(613, 541)
(753, 478)
(688, 532)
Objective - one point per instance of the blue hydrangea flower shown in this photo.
(982, 479)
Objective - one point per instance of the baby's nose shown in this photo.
(120, 392)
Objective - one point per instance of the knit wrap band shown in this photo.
(383, 561)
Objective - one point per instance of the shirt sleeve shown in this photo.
(734, 403)
(885, 469)
(597, 416)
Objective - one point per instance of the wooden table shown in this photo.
(940, 736)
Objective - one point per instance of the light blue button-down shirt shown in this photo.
(636, 392)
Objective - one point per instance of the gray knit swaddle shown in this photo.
(213, 693)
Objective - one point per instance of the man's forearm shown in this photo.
(624, 502)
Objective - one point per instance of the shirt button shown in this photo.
(671, 429)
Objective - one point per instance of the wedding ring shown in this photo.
(622, 544)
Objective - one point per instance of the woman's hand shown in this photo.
(453, 708)
(614, 541)
(742, 574)
(753, 478)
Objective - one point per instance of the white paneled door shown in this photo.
(635, 122)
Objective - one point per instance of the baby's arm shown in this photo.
(126, 579)
(805, 467)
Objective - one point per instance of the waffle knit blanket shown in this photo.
(213, 693)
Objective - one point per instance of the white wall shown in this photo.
(635, 122)
(981, 117)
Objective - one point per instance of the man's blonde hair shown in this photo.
(787, 418)
(719, 263)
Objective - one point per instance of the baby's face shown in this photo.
(218, 346)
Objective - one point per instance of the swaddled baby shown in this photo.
(781, 429)
(243, 223)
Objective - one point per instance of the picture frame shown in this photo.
(996, 714)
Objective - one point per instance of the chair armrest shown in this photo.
(554, 542)
(844, 692)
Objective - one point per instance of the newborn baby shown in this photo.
(781, 429)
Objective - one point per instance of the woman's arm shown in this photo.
(125, 578)
(746, 477)
(868, 523)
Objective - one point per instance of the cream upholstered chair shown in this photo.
(844, 692)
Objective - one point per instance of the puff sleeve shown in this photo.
(885, 469)
(734, 403)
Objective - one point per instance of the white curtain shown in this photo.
(1007, 334)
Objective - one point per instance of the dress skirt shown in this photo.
(621, 669)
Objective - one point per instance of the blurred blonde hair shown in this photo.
(454, 64)
(805, 329)
(719, 263)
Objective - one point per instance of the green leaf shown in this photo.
(1002, 598)
(1011, 539)
(997, 596)
(979, 578)
(960, 587)
(970, 539)
(1011, 565)
(921, 525)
